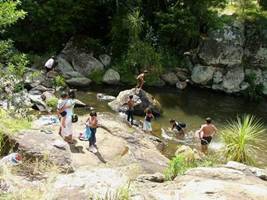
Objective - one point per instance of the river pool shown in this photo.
(191, 106)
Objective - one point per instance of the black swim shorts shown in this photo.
(206, 140)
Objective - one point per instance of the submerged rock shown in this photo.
(143, 100)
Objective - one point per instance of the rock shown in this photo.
(143, 100)
(79, 103)
(202, 74)
(206, 184)
(79, 82)
(38, 145)
(157, 177)
(260, 173)
(111, 77)
(41, 89)
(104, 97)
(105, 59)
(39, 103)
(188, 153)
(259, 58)
(21, 100)
(73, 74)
(64, 66)
(170, 78)
(233, 78)
(217, 77)
(255, 74)
(86, 64)
(33, 78)
(181, 85)
(183, 74)
(264, 75)
(96, 184)
(223, 46)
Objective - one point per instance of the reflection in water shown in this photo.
(190, 106)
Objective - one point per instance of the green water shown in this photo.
(191, 106)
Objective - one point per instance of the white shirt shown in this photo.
(49, 64)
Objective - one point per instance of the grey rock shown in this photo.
(170, 78)
(157, 177)
(104, 97)
(79, 82)
(143, 100)
(181, 85)
(202, 74)
(105, 59)
(38, 145)
(86, 64)
(223, 46)
(183, 74)
(111, 77)
(217, 77)
(233, 78)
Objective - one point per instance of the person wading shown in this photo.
(206, 133)
(130, 110)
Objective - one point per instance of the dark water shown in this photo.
(190, 106)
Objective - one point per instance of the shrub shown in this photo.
(96, 76)
(59, 81)
(255, 91)
(52, 103)
(242, 139)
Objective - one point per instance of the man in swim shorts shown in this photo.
(205, 134)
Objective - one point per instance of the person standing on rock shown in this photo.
(50, 63)
(147, 127)
(92, 122)
(206, 133)
(141, 80)
(130, 110)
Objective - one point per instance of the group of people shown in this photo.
(205, 133)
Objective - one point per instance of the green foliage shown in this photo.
(263, 4)
(9, 13)
(96, 76)
(242, 139)
(52, 103)
(59, 81)
(255, 90)
(122, 193)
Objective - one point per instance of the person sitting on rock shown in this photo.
(178, 128)
(92, 122)
(205, 134)
(147, 127)
(130, 110)
(141, 80)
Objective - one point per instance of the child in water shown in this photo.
(147, 127)
(92, 122)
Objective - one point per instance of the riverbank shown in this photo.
(128, 164)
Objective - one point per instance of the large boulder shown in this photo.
(64, 66)
(142, 100)
(34, 144)
(79, 82)
(202, 74)
(170, 78)
(86, 64)
(233, 79)
(111, 77)
(223, 46)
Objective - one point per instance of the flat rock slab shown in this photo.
(37, 144)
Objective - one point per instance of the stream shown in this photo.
(190, 106)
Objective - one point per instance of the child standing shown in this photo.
(147, 127)
(130, 110)
(61, 110)
(92, 122)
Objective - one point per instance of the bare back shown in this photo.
(208, 130)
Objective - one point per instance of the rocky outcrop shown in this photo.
(143, 100)
(205, 184)
(223, 46)
(111, 77)
(105, 59)
(34, 144)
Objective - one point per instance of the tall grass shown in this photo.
(242, 139)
